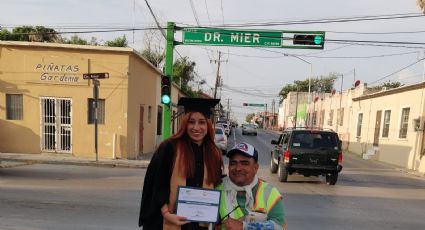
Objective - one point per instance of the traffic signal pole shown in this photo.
(169, 49)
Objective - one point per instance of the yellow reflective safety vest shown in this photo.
(266, 197)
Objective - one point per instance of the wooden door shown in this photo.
(377, 128)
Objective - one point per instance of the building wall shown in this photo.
(144, 85)
(55, 71)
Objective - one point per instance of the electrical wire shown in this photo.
(386, 76)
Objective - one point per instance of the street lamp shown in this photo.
(309, 77)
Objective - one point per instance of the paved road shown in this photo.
(368, 195)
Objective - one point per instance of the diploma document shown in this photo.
(198, 204)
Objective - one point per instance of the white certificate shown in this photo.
(198, 204)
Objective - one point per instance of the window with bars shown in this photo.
(404, 123)
(386, 123)
(14, 107)
(359, 124)
(331, 117)
(340, 117)
(100, 111)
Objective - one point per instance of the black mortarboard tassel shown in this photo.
(202, 105)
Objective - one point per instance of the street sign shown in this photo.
(95, 75)
(255, 105)
(254, 38)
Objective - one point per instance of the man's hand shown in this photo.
(232, 224)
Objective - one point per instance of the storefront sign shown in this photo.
(60, 73)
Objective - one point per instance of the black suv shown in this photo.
(307, 151)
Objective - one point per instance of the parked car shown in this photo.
(250, 129)
(226, 127)
(220, 139)
(309, 152)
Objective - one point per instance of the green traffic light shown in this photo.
(318, 39)
(165, 99)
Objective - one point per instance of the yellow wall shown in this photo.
(39, 70)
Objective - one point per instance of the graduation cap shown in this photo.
(201, 105)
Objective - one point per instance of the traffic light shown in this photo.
(165, 90)
(308, 39)
(245, 104)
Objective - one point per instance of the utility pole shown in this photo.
(273, 113)
(338, 120)
(228, 108)
(217, 79)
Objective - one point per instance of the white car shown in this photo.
(220, 139)
(249, 129)
(226, 128)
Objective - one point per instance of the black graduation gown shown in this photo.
(156, 187)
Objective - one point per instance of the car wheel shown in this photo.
(273, 166)
(282, 173)
(255, 134)
(331, 178)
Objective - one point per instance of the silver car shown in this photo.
(250, 129)
(220, 139)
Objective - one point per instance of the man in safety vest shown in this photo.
(248, 202)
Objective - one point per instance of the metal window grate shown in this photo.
(14, 107)
(56, 125)
(359, 124)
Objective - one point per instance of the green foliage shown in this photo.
(153, 57)
(249, 117)
(5, 35)
(323, 84)
(183, 70)
(117, 42)
(76, 40)
(388, 85)
(30, 34)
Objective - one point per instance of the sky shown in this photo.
(253, 74)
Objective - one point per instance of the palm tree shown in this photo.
(421, 4)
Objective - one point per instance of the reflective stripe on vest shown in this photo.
(265, 199)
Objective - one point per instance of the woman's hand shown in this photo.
(174, 219)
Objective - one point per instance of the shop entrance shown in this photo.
(56, 126)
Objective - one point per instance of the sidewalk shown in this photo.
(14, 159)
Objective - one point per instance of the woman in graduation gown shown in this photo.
(188, 158)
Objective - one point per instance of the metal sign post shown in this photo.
(94, 77)
(96, 84)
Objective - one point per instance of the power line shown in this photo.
(382, 78)
(329, 20)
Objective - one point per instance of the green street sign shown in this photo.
(255, 105)
(254, 38)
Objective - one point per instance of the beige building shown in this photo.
(47, 106)
(387, 125)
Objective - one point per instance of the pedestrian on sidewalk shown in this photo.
(188, 158)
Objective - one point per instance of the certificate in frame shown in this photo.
(198, 204)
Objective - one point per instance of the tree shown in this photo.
(31, 34)
(76, 40)
(387, 85)
(117, 42)
(153, 57)
(154, 51)
(421, 4)
(5, 35)
(183, 70)
(249, 117)
(323, 84)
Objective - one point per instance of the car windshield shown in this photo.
(314, 140)
(250, 126)
(218, 131)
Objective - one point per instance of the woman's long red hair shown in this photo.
(212, 155)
